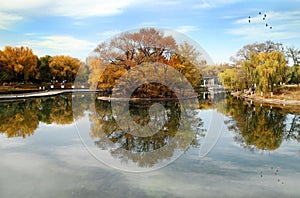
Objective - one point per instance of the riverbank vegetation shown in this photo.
(263, 69)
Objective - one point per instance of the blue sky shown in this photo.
(75, 27)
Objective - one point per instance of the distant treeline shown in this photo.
(259, 66)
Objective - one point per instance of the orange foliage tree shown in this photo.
(148, 45)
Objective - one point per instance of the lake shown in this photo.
(73, 145)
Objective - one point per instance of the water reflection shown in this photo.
(58, 155)
(21, 118)
(260, 127)
(108, 135)
(254, 127)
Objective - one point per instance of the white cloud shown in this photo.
(7, 19)
(167, 2)
(64, 42)
(19, 9)
(69, 8)
(6, 142)
(79, 8)
(187, 28)
(108, 34)
(20, 5)
(205, 4)
(57, 45)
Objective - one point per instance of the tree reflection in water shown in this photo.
(21, 118)
(126, 147)
(255, 127)
(260, 127)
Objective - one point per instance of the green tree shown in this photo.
(44, 69)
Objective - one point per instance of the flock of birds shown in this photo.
(276, 173)
(264, 18)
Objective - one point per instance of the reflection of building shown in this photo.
(213, 85)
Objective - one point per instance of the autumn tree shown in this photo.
(190, 53)
(64, 68)
(127, 50)
(187, 69)
(294, 74)
(233, 78)
(82, 73)
(258, 65)
(245, 52)
(271, 70)
(293, 54)
(18, 64)
(213, 70)
(96, 68)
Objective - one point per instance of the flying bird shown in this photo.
(263, 18)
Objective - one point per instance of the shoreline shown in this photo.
(41, 94)
(105, 98)
(259, 99)
(12, 97)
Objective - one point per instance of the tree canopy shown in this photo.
(148, 45)
(64, 68)
(18, 63)
(261, 66)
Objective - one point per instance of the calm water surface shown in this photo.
(45, 153)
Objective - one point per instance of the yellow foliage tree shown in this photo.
(64, 68)
(18, 64)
